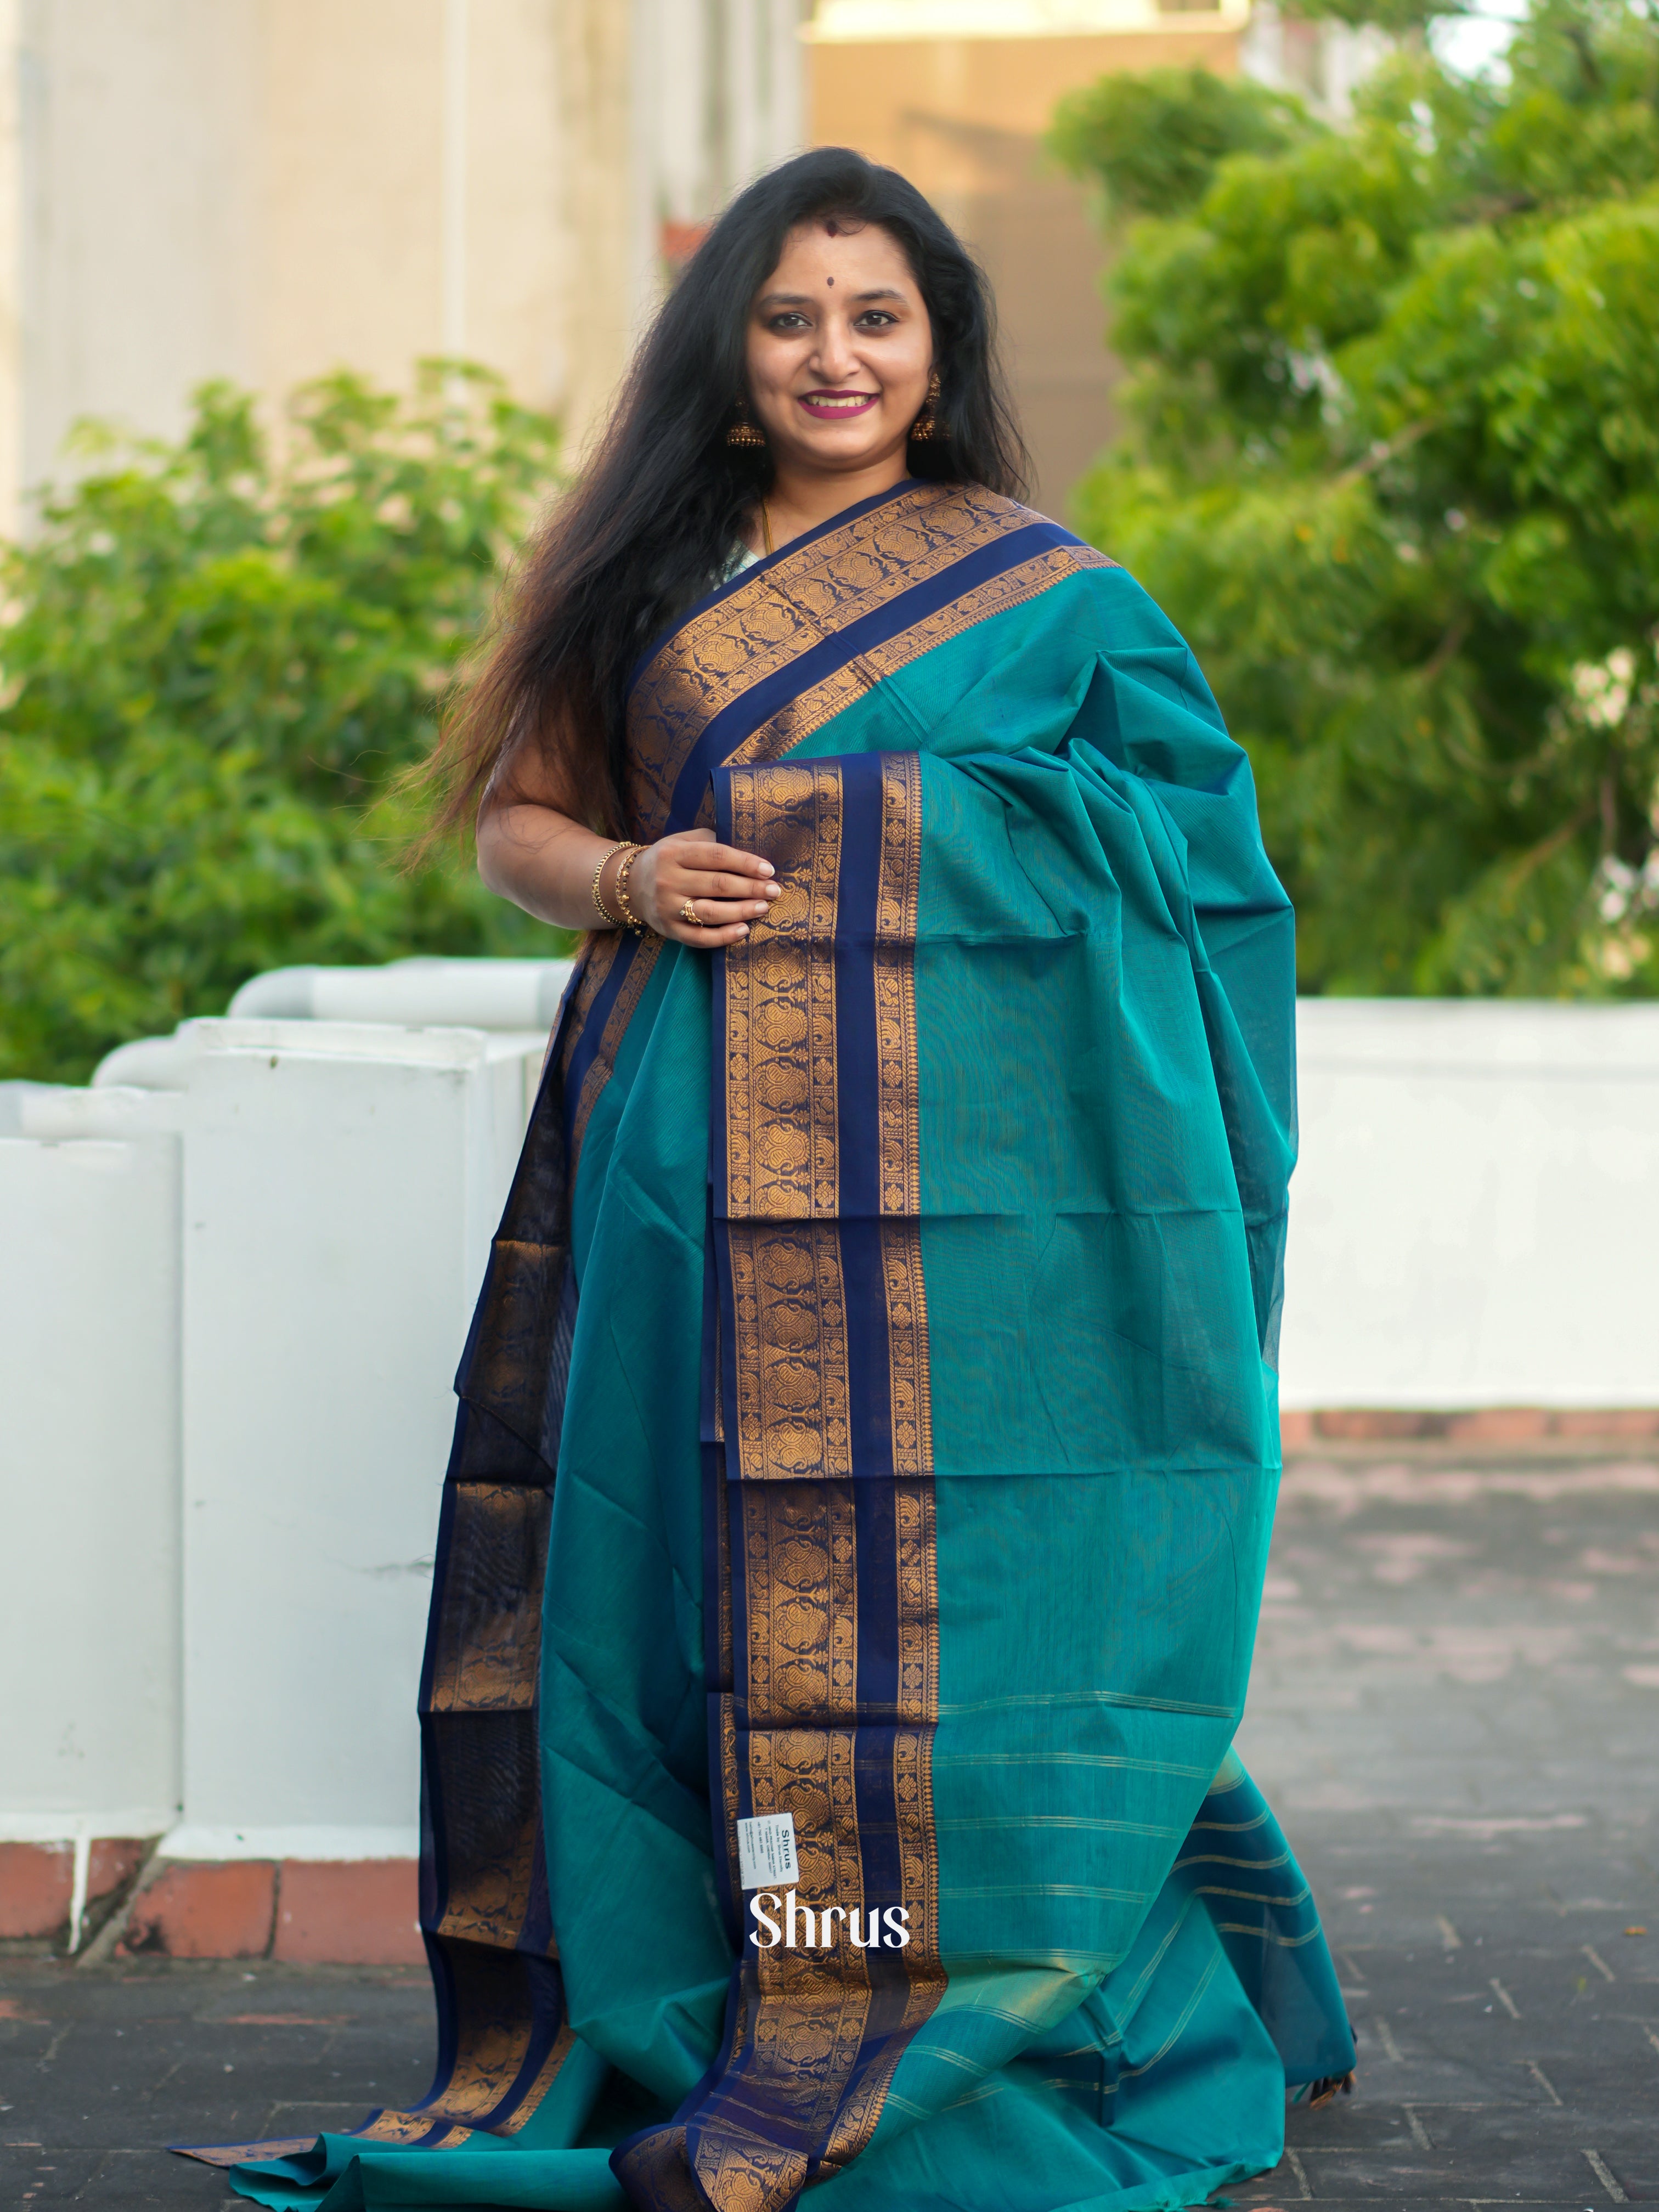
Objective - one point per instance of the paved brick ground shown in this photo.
(1456, 1711)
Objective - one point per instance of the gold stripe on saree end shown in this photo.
(239, 2154)
(718, 1409)
(729, 1789)
(855, 2123)
(596, 958)
(524, 2110)
(653, 2170)
(898, 892)
(918, 1839)
(792, 1412)
(409, 2128)
(489, 1903)
(742, 2173)
(801, 1571)
(604, 1065)
(781, 1106)
(813, 2008)
(811, 1773)
(488, 1632)
(916, 1533)
(490, 2061)
(909, 1381)
(505, 1375)
(723, 1542)
(491, 1865)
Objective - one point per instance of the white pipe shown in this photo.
(78, 1890)
(485, 994)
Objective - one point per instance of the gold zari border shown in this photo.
(782, 1157)
(897, 899)
(792, 1412)
(794, 604)
(812, 708)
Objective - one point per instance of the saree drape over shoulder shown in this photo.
(869, 1417)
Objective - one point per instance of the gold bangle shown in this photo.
(631, 920)
(613, 921)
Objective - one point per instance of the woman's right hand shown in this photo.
(727, 888)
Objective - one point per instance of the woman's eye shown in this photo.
(788, 322)
(877, 318)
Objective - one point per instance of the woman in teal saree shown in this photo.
(853, 1542)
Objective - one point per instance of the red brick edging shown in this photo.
(1486, 1424)
(37, 1882)
(353, 1913)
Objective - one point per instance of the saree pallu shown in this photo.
(868, 1429)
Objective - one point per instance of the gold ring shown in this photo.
(689, 913)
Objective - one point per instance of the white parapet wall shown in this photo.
(1474, 1218)
(241, 1267)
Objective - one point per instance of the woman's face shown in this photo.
(838, 350)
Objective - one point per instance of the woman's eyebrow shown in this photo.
(804, 299)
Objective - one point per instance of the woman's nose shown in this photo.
(835, 358)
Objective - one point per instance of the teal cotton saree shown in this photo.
(867, 1451)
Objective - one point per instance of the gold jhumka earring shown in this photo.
(742, 431)
(926, 423)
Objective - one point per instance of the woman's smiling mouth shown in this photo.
(832, 404)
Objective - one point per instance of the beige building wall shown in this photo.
(135, 211)
(269, 188)
(961, 109)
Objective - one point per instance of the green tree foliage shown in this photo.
(215, 664)
(1404, 19)
(1394, 469)
(1153, 140)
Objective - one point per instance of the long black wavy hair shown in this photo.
(652, 523)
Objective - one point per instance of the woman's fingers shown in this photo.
(706, 940)
(727, 888)
(745, 888)
(719, 860)
(711, 932)
(715, 914)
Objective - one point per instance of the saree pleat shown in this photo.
(869, 1418)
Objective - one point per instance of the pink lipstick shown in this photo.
(832, 406)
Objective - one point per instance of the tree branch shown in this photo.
(1447, 649)
(1387, 450)
(1529, 862)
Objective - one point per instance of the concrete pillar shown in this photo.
(89, 1631)
(341, 1184)
(241, 1270)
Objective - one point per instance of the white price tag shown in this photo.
(766, 1850)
